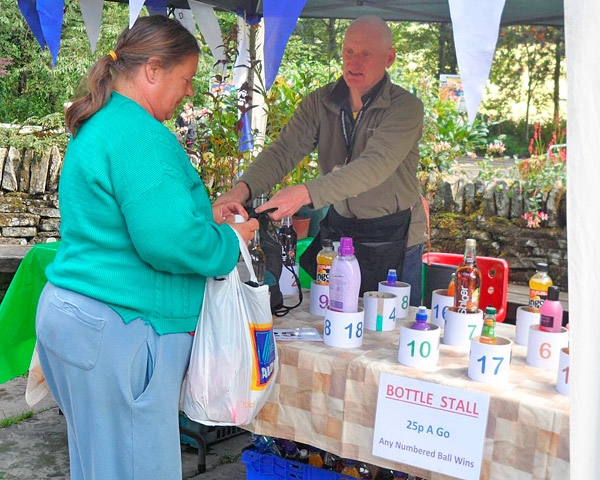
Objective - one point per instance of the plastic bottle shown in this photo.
(303, 456)
(538, 286)
(468, 281)
(451, 285)
(421, 320)
(264, 444)
(315, 458)
(324, 260)
(350, 468)
(344, 279)
(551, 313)
(488, 332)
(364, 471)
(384, 474)
(392, 277)
(288, 240)
(259, 260)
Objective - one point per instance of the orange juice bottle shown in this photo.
(538, 286)
(488, 332)
(324, 260)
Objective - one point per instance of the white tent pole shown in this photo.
(583, 171)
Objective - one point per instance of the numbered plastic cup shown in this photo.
(343, 329)
(402, 292)
(526, 317)
(562, 381)
(380, 311)
(462, 327)
(319, 298)
(543, 348)
(490, 363)
(419, 348)
(440, 301)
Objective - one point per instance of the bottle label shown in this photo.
(488, 331)
(323, 274)
(547, 322)
(468, 301)
(537, 297)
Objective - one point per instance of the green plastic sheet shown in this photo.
(17, 311)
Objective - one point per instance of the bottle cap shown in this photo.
(327, 242)
(553, 292)
(541, 266)
(421, 314)
(470, 242)
(490, 311)
(346, 246)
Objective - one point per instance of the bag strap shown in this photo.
(246, 256)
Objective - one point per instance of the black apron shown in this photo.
(379, 244)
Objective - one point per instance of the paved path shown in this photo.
(36, 448)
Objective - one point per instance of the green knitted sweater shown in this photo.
(137, 227)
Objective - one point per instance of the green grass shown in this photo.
(8, 421)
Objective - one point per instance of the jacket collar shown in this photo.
(340, 93)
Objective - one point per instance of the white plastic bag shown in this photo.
(234, 363)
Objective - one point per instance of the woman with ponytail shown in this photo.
(139, 237)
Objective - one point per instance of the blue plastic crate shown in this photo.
(264, 466)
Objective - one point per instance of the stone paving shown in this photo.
(36, 448)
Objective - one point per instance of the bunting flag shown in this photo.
(32, 18)
(280, 20)
(475, 25)
(184, 16)
(91, 11)
(50, 14)
(157, 7)
(242, 62)
(135, 7)
(208, 25)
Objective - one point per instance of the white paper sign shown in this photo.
(430, 426)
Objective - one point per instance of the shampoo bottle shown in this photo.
(344, 279)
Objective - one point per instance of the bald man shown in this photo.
(367, 133)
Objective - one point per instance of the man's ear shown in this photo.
(152, 68)
(391, 57)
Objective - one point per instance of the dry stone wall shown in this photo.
(28, 196)
(460, 208)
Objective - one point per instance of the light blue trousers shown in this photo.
(118, 386)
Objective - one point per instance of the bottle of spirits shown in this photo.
(288, 240)
(259, 260)
(468, 281)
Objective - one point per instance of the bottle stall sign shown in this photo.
(431, 426)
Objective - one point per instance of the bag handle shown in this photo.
(246, 256)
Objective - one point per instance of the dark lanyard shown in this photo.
(349, 139)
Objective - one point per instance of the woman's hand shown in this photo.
(225, 212)
(246, 229)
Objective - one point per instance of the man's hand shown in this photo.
(239, 194)
(287, 201)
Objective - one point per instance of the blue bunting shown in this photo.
(280, 21)
(51, 19)
(157, 7)
(32, 17)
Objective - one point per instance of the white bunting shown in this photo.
(185, 18)
(475, 24)
(135, 7)
(208, 25)
(91, 11)
(242, 62)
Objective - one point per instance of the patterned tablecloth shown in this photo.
(327, 397)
